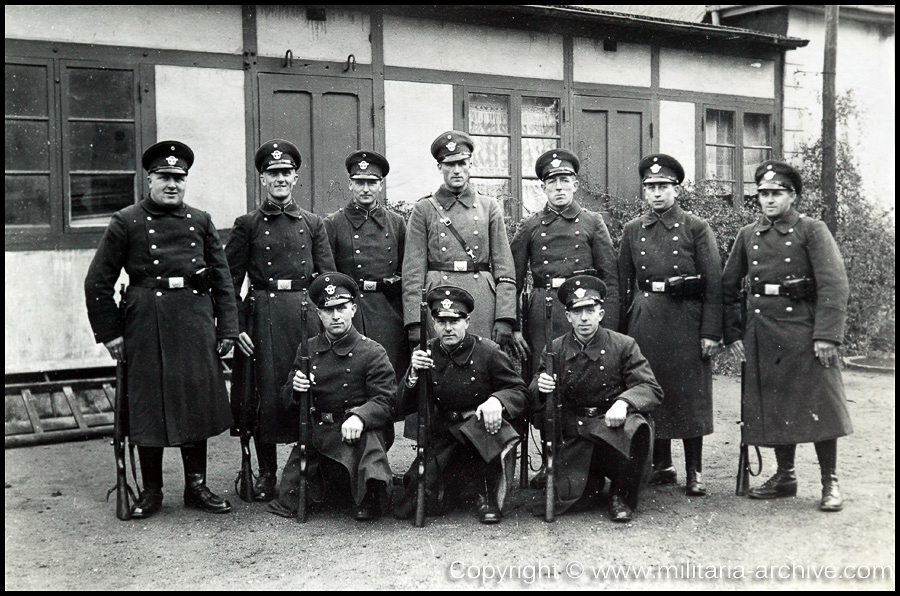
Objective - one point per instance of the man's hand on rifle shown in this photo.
(546, 383)
(301, 383)
(491, 411)
(352, 429)
(615, 415)
(245, 344)
(224, 346)
(116, 349)
(414, 335)
(737, 349)
(421, 360)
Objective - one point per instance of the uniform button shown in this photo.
(302, 246)
(602, 368)
(357, 251)
(268, 248)
(756, 262)
(756, 311)
(193, 260)
(476, 218)
(345, 384)
(159, 293)
(643, 266)
(476, 248)
(271, 295)
(473, 378)
(350, 354)
(675, 266)
(356, 236)
(195, 291)
(756, 295)
(271, 279)
(788, 243)
(543, 234)
(303, 262)
(475, 276)
(576, 246)
(787, 260)
(576, 220)
(475, 232)
(790, 309)
(576, 260)
(674, 252)
(269, 263)
(265, 219)
(443, 235)
(643, 239)
(156, 261)
(675, 238)
(546, 262)
(189, 215)
(149, 218)
(191, 228)
(603, 351)
(580, 423)
(577, 232)
(151, 231)
(643, 253)
(755, 247)
(301, 231)
(358, 266)
(443, 249)
(755, 279)
(646, 295)
(757, 233)
(153, 246)
(446, 278)
(193, 244)
(158, 277)
(267, 232)
(791, 231)
(676, 225)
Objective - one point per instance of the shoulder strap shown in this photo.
(449, 223)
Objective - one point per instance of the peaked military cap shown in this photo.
(556, 162)
(277, 154)
(367, 165)
(772, 174)
(170, 157)
(453, 145)
(333, 289)
(660, 167)
(581, 290)
(450, 302)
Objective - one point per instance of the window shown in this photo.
(72, 156)
(736, 142)
(510, 131)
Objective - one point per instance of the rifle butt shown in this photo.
(120, 436)
(550, 492)
(743, 476)
(245, 477)
(420, 490)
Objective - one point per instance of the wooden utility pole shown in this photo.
(829, 121)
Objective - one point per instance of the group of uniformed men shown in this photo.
(624, 396)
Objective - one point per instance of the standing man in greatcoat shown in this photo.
(367, 240)
(353, 403)
(604, 387)
(671, 285)
(795, 315)
(457, 236)
(179, 318)
(281, 247)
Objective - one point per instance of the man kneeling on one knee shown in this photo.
(605, 387)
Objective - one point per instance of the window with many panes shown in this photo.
(736, 142)
(72, 157)
(511, 129)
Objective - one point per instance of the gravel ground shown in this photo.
(62, 534)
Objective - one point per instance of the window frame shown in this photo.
(60, 233)
(515, 96)
(739, 112)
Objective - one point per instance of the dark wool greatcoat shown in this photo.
(476, 370)
(610, 368)
(789, 396)
(176, 388)
(556, 245)
(369, 246)
(479, 220)
(350, 376)
(668, 329)
(266, 245)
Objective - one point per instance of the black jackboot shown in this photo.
(663, 470)
(150, 499)
(831, 493)
(784, 482)
(693, 463)
(196, 493)
(265, 488)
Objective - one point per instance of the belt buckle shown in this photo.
(557, 281)
(460, 265)
(327, 417)
(176, 282)
(658, 286)
(453, 416)
(772, 289)
(284, 284)
(370, 286)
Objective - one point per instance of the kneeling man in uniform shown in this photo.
(605, 386)
(353, 402)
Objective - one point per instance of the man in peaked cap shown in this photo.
(280, 247)
(181, 318)
(457, 236)
(558, 242)
(671, 285)
(353, 402)
(605, 387)
(367, 240)
(796, 311)
(476, 394)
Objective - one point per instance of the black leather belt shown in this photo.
(371, 286)
(328, 417)
(190, 282)
(592, 412)
(795, 289)
(556, 281)
(457, 415)
(281, 285)
(680, 287)
(459, 266)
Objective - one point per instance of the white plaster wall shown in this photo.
(714, 73)
(677, 136)
(168, 27)
(46, 324)
(416, 43)
(628, 65)
(865, 66)
(282, 28)
(415, 114)
(204, 107)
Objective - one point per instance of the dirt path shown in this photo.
(61, 534)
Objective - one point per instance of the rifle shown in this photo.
(742, 483)
(424, 399)
(124, 493)
(551, 408)
(305, 398)
(243, 484)
(527, 373)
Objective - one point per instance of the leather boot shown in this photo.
(663, 470)
(196, 493)
(369, 508)
(265, 487)
(784, 482)
(488, 509)
(619, 512)
(831, 493)
(149, 503)
(150, 499)
(693, 463)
